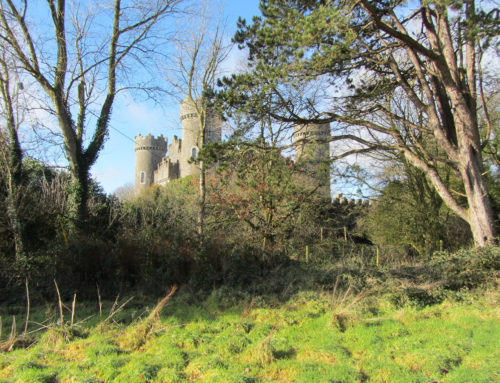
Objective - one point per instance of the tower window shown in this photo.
(143, 177)
(194, 153)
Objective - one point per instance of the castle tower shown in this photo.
(191, 137)
(312, 150)
(149, 151)
(214, 128)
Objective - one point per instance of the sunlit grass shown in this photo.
(377, 326)
(299, 341)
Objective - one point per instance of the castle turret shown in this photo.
(213, 128)
(312, 150)
(191, 136)
(148, 153)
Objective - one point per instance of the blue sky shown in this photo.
(115, 166)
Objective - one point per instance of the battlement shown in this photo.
(311, 130)
(150, 142)
(176, 142)
(341, 200)
(188, 110)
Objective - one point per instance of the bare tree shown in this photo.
(82, 66)
(197, 67)
(125, 192)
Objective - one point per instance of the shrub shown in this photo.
(467, 268)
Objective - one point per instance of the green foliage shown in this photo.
(263, 201)
(157, 238)
(494, 190)
(467, 269)
(419, 297)
(300, 53)
(410, 214)
(52, 249)
(35, 213)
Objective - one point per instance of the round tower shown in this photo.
(190, 138)
(213, 128)
(312, 150)
(311, 142)
(148, 153)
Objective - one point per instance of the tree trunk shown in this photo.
(201, 209)
(480, 212)
(13, 162)
(16, 226)
(78, 198)
(14, 194)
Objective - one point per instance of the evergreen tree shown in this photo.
(412, 74)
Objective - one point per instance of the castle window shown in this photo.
(194, 153)
(143, 177)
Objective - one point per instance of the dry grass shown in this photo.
(138, 335)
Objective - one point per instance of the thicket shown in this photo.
(52, 250)
(259, 221)
(254, 222)
(409, 213)
(262, 212)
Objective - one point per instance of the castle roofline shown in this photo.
(150, 142)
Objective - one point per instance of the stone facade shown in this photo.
(154, 165)
(149, 152)
(178, 162)
(312, 151)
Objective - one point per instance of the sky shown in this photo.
(115, 166)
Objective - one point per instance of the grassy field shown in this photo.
(332, 333)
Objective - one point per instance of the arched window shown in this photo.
(194, 153)
(143, 177)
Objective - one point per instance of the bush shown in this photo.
(412, 216)
(467, 268)
(419, 297)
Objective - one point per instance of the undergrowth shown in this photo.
(341, 321)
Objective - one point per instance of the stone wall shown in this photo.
(312, 151)
(191, 137)
(149, 151)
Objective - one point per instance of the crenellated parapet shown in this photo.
(311, 132)
(312, 153)
(340, 200)
(149, 151)
(150, 142)
(311, 142)
(188, 110)
(345, 212)
(166, 171)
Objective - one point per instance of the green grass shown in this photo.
(301, 340)
(436, 322)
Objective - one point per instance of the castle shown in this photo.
(312, 148)
(153, 165)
